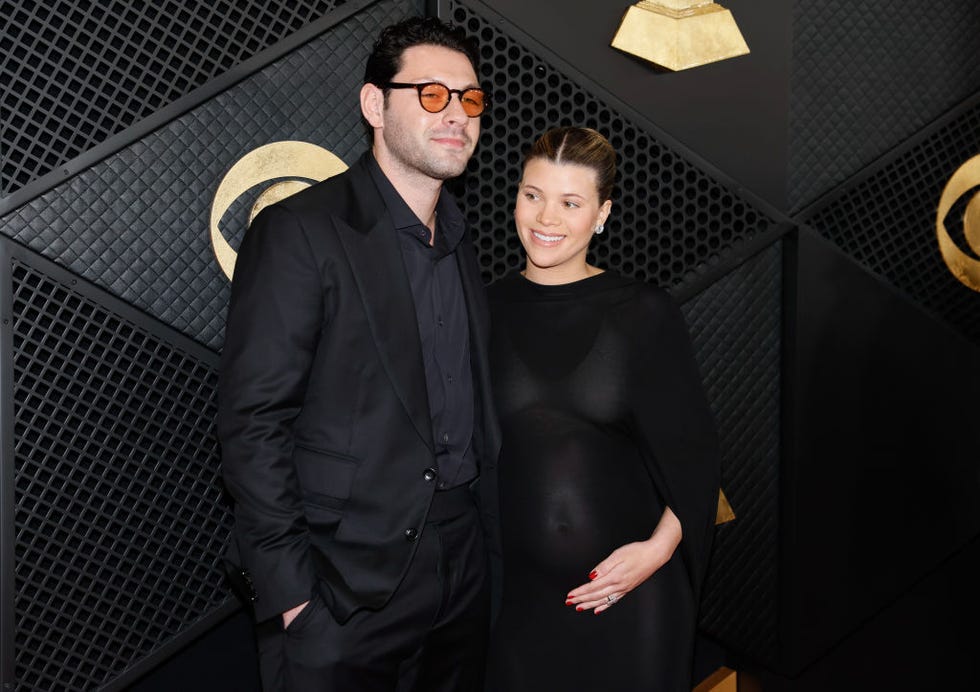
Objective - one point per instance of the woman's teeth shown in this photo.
(547, 238)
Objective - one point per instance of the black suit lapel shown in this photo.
(379, 272)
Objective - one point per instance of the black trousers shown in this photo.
(430, 637)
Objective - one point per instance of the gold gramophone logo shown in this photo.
(293, 165)
(965, 268)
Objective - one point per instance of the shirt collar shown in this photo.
(449, 219)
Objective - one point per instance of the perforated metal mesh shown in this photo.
(670, 219)
(887, 222)
(736, 326)
(866, 76)
(75, 73)
(119, 518)
(137, 223)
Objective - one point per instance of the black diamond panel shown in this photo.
(670, 220)
(736, 327)
(866, 76)
(76, 73)
(137, 223)
(887, 222)
(119, 518)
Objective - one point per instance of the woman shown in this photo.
(609, 465)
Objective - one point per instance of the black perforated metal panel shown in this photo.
(736, 328)
(76, 73)
(866, 76)
(118, 511)
(670, 220)
(137, 223)
(887, 221)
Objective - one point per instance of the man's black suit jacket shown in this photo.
(323, 415)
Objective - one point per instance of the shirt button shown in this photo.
(429, 475)
(450, 379)
(445, 438)
(411, 535)
(439, 322)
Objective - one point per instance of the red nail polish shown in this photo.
(593, 574)
(578, 608)
(568, 602)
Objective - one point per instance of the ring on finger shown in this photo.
(611, 598)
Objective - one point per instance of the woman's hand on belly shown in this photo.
(627, 567)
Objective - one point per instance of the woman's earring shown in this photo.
(599, 229)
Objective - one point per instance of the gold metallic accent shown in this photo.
(722, 680)
(276, 193)
(971, 222)
(679, 34)
(286, 159)
(964, 267)
(724, 513)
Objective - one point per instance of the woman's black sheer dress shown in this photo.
(604, 422)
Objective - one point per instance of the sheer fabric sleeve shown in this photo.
(675, 426)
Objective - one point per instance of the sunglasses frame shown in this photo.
(459, 94)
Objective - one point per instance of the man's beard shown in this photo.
(412, 155)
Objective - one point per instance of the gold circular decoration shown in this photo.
(971, 223)
(964, 267)
(301, 161)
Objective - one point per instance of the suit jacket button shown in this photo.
(247, 578)
(411, 535)
(429, 475)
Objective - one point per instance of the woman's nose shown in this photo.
(547, 215)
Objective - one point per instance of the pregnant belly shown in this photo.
(570, 493)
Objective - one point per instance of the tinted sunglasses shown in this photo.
(435, 96)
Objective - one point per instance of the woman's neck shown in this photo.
(555, 276)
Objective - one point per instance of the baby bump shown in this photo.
(570, 492)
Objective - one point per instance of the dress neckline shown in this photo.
(522, 287)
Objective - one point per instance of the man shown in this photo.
(354, 411)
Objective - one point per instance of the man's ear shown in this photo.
(373, 105)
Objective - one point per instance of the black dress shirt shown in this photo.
(440, 309)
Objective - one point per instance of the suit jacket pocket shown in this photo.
(325, 477)
(302, 620)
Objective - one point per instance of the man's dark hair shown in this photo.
(385, 60)
(386, 57)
